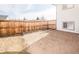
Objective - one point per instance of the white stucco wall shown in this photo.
(68, 15)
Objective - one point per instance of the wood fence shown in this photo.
(14, 27)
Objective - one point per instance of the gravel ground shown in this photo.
(31, 38)
(15, 44)
(42, 42)
(56, 42)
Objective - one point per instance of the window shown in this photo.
(68, 6)
(69, 25)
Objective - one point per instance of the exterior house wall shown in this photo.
(71, 14)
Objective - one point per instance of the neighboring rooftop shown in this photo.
(3, 16)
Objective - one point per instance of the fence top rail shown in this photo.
(24, 20)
